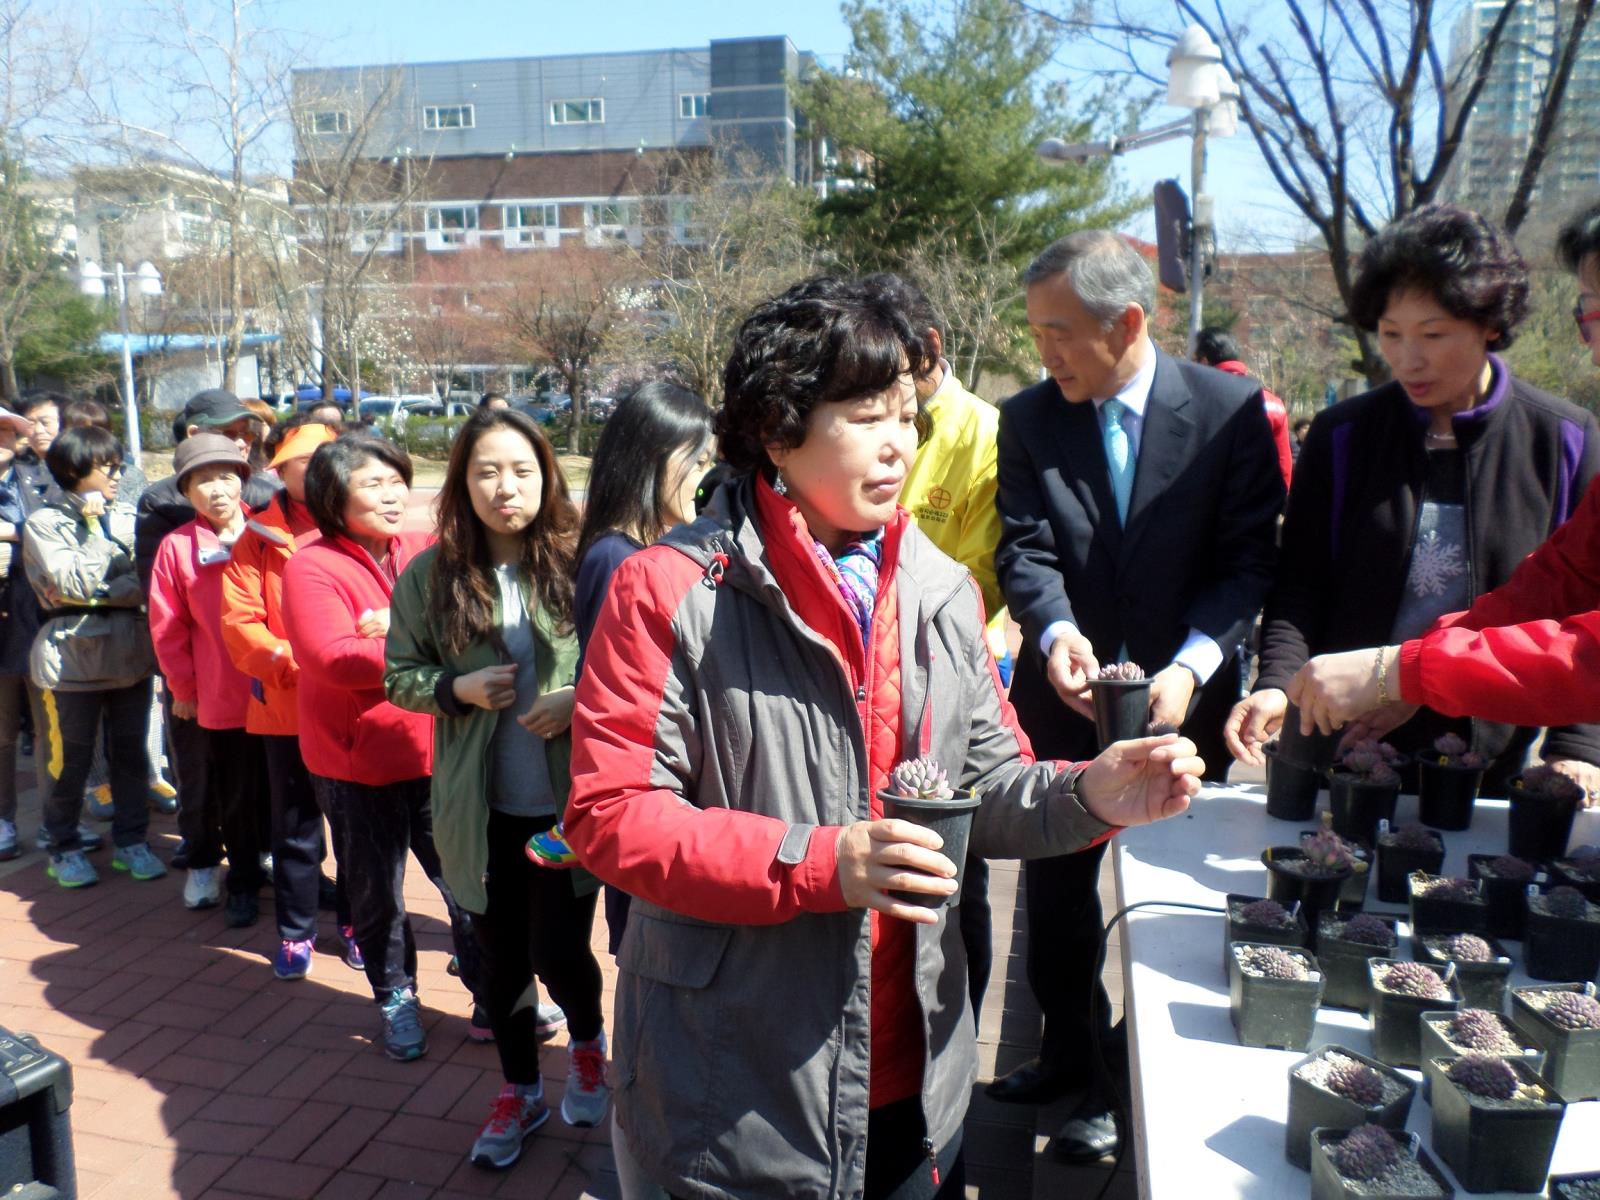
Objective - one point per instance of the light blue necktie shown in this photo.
(1119, 455)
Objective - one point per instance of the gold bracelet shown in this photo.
(1377, 670)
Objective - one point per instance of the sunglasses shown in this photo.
(111, 470)
(1584, 319)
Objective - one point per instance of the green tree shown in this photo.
(1547, 351)
(62, 335)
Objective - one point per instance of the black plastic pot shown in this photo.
(1397, 1019)
(1564, 949)
(1482, 984)
(1353, 892)
(1575, 1187)
(1344, 964)
(1358, 806)
(1286, 887)
(951, 820)
(1296, 936)
(1572, 1056)
(1493, 1147)
(1397, 862)
(1121, 709)
(1539, 827)
(1507, 898)
(1328, 1184)
(1312, 749)
(1445, 795)
(1443, 914)
(1292, 787)
(1313, 1107)
(1435, 1046)
(1564, 872)
(1278, 1014)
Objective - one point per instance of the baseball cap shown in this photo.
(214, 408)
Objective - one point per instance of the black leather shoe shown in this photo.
(242, 909)
(1033, 1082)
(1089, 1135)
(327, 894)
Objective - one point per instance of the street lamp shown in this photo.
(92, 282)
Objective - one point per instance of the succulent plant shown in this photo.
(1372, 761)
(1365, 1153)
(1327, 852)
(1121, 672)
(1368, 930)
(1452, 751)
(1565, 902)
(1481, 1030)
(1414, 837)
(921, 779)
(1450, 745)
(1449, 887)
(1266, 914)
(1355, 1081)
(1274, 962)
(1414, 979)
(1587, 1188)
(1485, 1075)
(1467, 947)
(1509, 867)
(1547, 783)
(1573, 1010)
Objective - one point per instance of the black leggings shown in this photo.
(534, 925)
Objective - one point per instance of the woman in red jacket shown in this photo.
(369, 761)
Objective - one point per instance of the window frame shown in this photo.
(454, 237)
(594, 104)
(701, 100)
(341, 122)
(467, 111)
(518, 234)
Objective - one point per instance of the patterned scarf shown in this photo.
(855, 574)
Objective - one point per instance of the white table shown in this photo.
(1208, 1113)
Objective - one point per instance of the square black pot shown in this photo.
(1562, 949)
(1353, 891)
(1492, 1149)
(1279, 1014)
(1344, 963)
(1288, 887)
(1312, 1107)
(1445, 795)
(1397, 1019)
(1357, 807)
(1507, 898)
(1297, 936)
(1328, 1184)
(1587, 881)
(1482, 984)
(1537, 827)
(1396, 863)
(1292, 787)
(1572, 1056)
(1438, 914)
(1435, 1045)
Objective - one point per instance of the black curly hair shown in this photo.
(825, 340)
(1579, 239)
(1453, 255)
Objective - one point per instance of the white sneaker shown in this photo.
(203, 888)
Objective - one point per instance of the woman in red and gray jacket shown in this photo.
(369, 761)
(784, 1026)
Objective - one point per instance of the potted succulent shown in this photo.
(1563, 1020)
(1336, 1088)
(1448, 779)
(1353, 892)
(1575, 1187)
(1273, 993)
(1362, 789)
(1504, 879)
(1371, 1162)
(1447, 904)
(1401, 851)
(1296, 769)
(1344, 944)
(1121, 696)
(1563, 939)
(1310, 874)
(1482, 965)
(1543, 805)
(1580, 868)
(1401, 993)
(1264, 922)
(1472, 1031)
(1495, 1122)
(919, 792)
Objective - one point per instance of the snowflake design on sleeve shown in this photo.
(1434, 563)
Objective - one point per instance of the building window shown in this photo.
(577, 112)
(329, 121)
(374, 229)
(452, 225)
(611, 221)
(448, 116)
(693, 104)
(531, 224)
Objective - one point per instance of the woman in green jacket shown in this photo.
(481, 637)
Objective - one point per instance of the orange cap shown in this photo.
(303, 440)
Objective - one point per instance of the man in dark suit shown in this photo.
(1138, 496)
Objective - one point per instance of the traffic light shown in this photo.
(1173, 231)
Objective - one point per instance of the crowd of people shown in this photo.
(693, 691)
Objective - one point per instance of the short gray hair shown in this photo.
(1103, 271)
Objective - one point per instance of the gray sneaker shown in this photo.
(88, 840)
(72, 870)
(8, 840)
(403, 1036)
(517, 1112)
(584, 1102)
(548, 1020)
(139, 861)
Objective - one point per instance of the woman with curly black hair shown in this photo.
(1415, 498)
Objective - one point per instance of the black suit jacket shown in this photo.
(1197, 551)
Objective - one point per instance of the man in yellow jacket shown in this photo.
(950, 491)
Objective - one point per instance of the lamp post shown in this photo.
(1196, 80)
(92, 282)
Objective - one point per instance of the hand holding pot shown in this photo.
(1333, 689)
(1072, 664)
(874, 857)
(1170, 692)
(1142, 781)
(1252, 723)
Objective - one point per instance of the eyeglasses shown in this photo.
(1584, 319)
(111, 470)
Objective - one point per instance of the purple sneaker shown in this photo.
(294, 959)
(352, 952)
